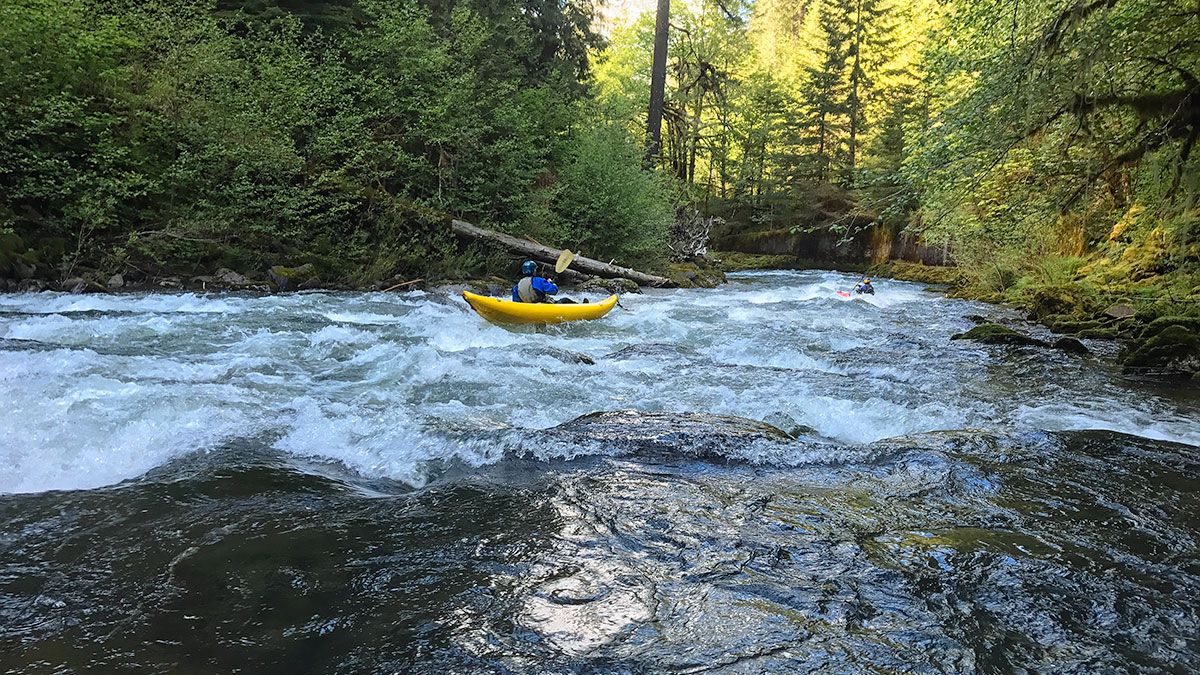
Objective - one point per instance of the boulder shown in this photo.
(310, 284)
(610, 286)
(1172, 350)
(698, 273)
(1070, 345)
(229, 277)
(73, 285)
(1120, 311)
(1192, 323)
(1072, 327)
(1047, 301)
(290, 278)
(23, 269)
(995, 334)
(30, 285)
(116, 282)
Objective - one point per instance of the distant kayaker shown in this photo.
(532, 288)
(865, 287)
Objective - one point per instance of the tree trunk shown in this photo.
(854, 104)
(549, 255)
(658, 81)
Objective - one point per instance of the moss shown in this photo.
(1046, 301)
(927, 274)
(1066, 325)
(1099, 334)
(995, 334)
(1160, 324)
(1174, 351)
(733, 261)
(618, 286)
(11, 244)
(291, 278)
(696, 274)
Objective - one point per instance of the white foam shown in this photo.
(97, 389)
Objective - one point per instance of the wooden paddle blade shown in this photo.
(564, 261)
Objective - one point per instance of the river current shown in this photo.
(350, 482)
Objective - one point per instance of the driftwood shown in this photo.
(689, 233)
(402, 283)
(549, 255)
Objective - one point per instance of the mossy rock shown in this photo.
(617, 286)
(1062, 323)
(290, 278)
(734, 261)
(1160, 324)
(1099, 334)
(1174, 351)
(995, 334)
(1047, 301)
(908, 271)
(695, 275)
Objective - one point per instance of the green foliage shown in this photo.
(610, 208)
(175, 134)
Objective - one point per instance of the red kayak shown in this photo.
(844, 294)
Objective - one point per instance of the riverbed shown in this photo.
(350, 482)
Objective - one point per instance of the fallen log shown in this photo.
(549, 255)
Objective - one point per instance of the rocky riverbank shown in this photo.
(1159, 335)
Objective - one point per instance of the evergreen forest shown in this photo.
(1045, 148)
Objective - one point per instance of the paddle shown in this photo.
(564, 261)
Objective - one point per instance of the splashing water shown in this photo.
(97, 389)
(380, 483)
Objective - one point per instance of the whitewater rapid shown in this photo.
(96, 389)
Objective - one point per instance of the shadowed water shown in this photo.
(368, 483)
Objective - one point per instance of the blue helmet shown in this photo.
(528, 268)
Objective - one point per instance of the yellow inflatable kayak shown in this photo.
(507, 311)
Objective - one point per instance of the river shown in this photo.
(349, 482)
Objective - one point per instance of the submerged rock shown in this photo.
(568, 356)
(687, 434)
(649, 349)
(995, 334)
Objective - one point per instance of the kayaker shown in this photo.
(865, 287)
(532, 288)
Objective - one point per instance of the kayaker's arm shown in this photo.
(545, 285)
